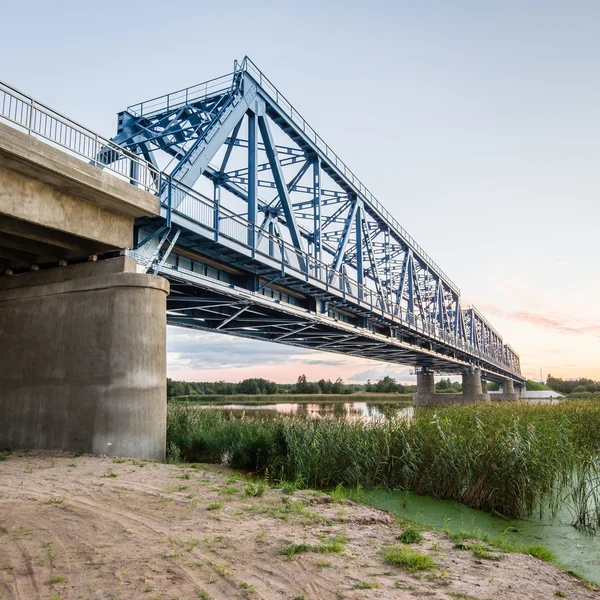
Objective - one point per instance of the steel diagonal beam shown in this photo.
(189, 169)
(337, 213)
(280, 149)
(230, 143)
(201, 306)
(374, 268)
(291, 186)
(291, 160)
(232, 317)
(337, 342)
(339, 255)
(402, 280)
(417, 293)
(163, 260)
(282, 189)
(285, 335)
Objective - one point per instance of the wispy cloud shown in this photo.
(550, 321)
(200, 351)
(376, 373)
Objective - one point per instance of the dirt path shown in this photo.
(99, 528)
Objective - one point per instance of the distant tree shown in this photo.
(388, 385)
(256, 386)
(302, 385)
(326, 386)
(369, 386)
(444, 385)
(338, 387)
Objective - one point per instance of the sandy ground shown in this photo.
(101, 528)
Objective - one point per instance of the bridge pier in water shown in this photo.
(84, 366)
(472, 391)
(510, 392)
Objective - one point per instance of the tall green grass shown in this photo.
(512, 458)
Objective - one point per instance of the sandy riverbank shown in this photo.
(99, 528)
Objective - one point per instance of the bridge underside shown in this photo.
(220, 287)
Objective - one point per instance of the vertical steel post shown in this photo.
(388, 266)
(411, 286)
(359, 249)
(252, 179)
(317, 208)
(216, 214)
(169, 201)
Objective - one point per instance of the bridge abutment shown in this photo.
(84, 360)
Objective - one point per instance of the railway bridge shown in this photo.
(216, 207)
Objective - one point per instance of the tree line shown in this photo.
(573, 386)
(386, 385)
(262, 387)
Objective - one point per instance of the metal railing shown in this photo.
(43, 122)
(184, 96)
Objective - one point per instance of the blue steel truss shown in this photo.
(266, 233)
(313, 260)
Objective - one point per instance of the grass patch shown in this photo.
(332, 544)
(480, 544)
(56, 579)
(479, 550)
(408, 559)
(214, 506)
(248, 587)
(410, 535)
(364, 585)
(255, 489)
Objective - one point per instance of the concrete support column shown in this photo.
(472, 389)
(508, 391)
(84, 360)
(425, 395)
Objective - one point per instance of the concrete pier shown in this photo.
(508, 393)
(472, 391)
(84, 360)
(473, 387)
(425, 389)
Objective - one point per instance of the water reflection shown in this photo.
(347, 410)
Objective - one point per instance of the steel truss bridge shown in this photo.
(265, 233)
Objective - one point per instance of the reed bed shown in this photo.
(512, 458)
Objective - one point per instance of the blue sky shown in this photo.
(477, 124)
